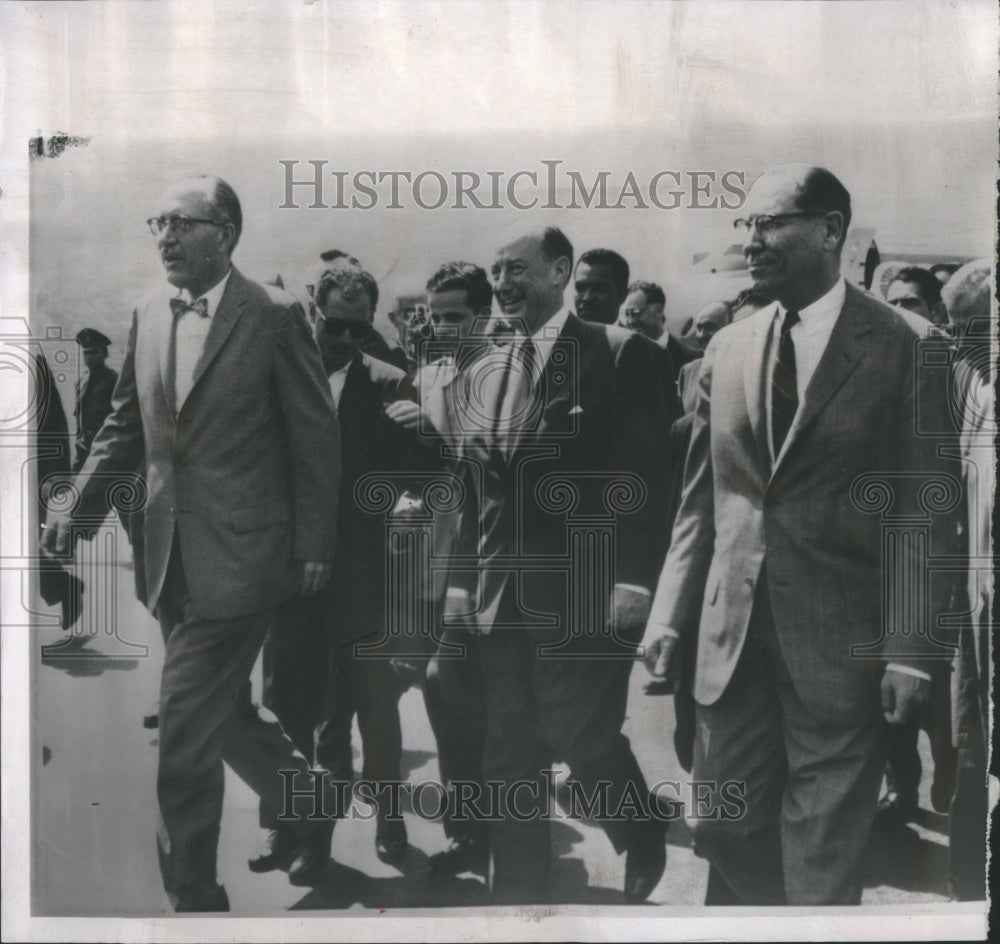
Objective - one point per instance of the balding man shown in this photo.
(776, 564)
(224, 405)
(564, 526)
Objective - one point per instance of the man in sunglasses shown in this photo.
(223, 405)
(327, 662)
(807, 418)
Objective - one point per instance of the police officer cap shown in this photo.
(91, 337)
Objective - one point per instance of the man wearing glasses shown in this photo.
(222, 404)
(776, 564)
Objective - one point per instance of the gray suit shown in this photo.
(779, 573)
(239, 480)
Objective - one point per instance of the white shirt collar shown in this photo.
(822, 311)
(213, 296)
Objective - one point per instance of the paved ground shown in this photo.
(94, 801)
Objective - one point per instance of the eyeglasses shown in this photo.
(768, 221)
(633, 314)
(336, 326)
(182, 224)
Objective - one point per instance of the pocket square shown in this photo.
(576, 409)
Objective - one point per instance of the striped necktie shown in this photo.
(784, 389)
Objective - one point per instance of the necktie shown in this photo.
(784, 389)
(179, 307)
(518, 401)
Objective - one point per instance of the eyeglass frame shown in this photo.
(744, 225)
(180, 222)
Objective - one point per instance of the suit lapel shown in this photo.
(223, 321)
(163, 325)
(754, 376)
(842, 355)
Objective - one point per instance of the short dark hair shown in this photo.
(652, 291)
(822, 192)
(928, 286)
(613, 261)
(466, 276)
(555, 245)
(351, 279)
(370, 286)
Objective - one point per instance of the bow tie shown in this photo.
(178, 306)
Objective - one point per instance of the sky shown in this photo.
(898, 99)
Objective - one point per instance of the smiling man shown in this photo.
(775, 572)
(567, 409)
(223, 405)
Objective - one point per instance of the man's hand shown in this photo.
(904, 696)
(57, 536)
(629, 611)
(409, 415)
(659, 656)
(311, 575)
(458, 609)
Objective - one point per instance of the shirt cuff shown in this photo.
(908, 670)
(654, 632)
(635, 587)
(457, 593)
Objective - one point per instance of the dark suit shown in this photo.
(564, 505)
(239, 478)
(314, 680)
(93, 404)
(778, 572)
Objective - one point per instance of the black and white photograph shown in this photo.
(497, 470)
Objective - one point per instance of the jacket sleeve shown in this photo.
(681, 586)
(313, 438)
(641, 448)
(118, 450)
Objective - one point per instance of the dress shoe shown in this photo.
(390, 839)
(465, 854)
(311, 856)
(206, 898)
(645, 861)
(275, 852)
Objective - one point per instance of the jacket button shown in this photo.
(749, 583)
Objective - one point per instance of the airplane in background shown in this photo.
(721, 276)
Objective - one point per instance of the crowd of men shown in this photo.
(753, 508)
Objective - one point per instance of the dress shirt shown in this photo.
(192, 330)
(809, 338)
(546, 336)
(337, 380)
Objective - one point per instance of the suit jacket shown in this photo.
(814, 517)
(371, 443)
(243, 472)
(592, 463)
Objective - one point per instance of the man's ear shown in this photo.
(229, 235)
(834, 222)
(562, 270)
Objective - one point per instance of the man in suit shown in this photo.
(330, 661)
(223, 406)
(561, 539)
(459, 303)
(776, 564)
(93, 391)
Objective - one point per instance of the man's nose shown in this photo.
(752, 239)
